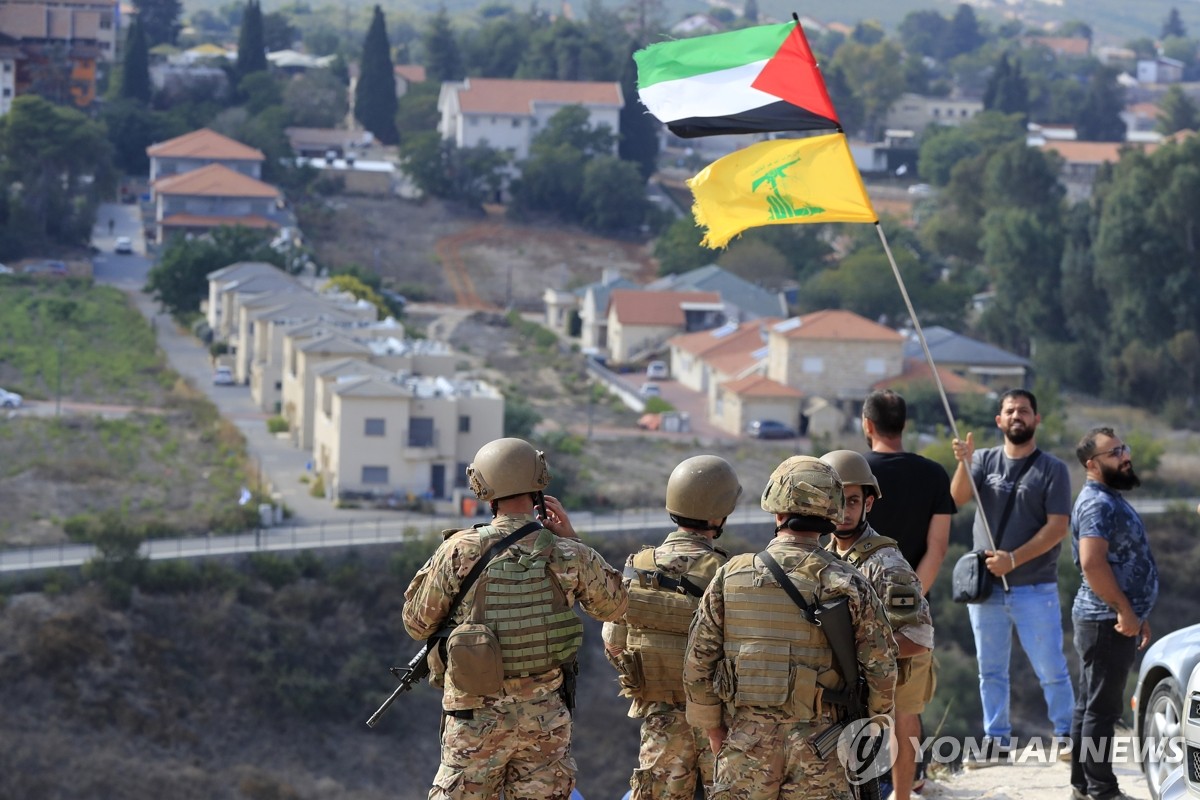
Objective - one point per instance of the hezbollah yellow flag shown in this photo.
(781, 182)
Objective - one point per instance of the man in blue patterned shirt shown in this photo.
(1120, 585)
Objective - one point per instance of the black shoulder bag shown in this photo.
(971, 582)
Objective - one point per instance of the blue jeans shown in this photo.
(1106, 657)
(1034, 611)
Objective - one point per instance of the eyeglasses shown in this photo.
(1117, 452)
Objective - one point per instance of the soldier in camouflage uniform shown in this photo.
(880, 561)
(665, 584)
(506, 724)
(756, 669)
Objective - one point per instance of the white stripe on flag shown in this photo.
(713, 94)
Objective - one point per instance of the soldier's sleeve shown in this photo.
(876, 648)
(705, 648)
(601, 591)
(428, 597)
(899, 590)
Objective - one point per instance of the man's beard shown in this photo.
(1021, 436)
(1121, 480)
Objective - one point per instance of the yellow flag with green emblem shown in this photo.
(781, 182)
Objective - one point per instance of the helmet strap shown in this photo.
(700, 524)
(855, 532)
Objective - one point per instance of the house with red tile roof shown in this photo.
(640, 322)
(507, 114)
(406, 76)
(200, 149)
(834, 354)
(739, 402)
(704, 359)
(212, 196)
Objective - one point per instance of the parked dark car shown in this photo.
(1158, 702)
(770, 429)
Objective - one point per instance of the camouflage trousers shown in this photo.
(522, 749)
(672, 754)
(763, 759)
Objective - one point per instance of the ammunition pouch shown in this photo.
(474, 663)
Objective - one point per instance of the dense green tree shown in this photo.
(1177, 112)
(159, 20)
(1181, 49)
(750, 11)
(179, 280)
(132, 128)
(260, 91)
(443, 60)
(849, 106)
(571, 126)
(278, 31)
(1104, 100)
(868, 32)
(568, 51)
(1007, 91)
(316, 99)
(56, 165)
(874, 75)
(1075, 28)
(758, 261)
(470, 176)
(613, 197)
(416, 111)
(496, 49)
(1173, 25)
(639, 130)
(678, 249)
(922, 32)
(963, 34)
(375, 93)
(551, 182)
(135, 66)
(252, 53)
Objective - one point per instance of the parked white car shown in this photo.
(9, 399)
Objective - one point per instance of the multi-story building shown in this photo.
(61, 43)
(402, 436)
(210, 197)
(200, 149)
(507, 114)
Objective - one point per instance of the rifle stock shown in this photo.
(838, 627)
(416, 669)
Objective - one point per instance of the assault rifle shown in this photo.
(838, 627)
(416, 669)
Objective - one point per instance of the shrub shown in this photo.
(277, 424)
(318, 487)
(656, 405)
(276, 571)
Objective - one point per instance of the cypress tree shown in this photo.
(375, 94)
(252, 55)
(639, 130)
(443, 60)
(135, 65)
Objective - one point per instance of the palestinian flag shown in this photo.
(780, 182)
(755, 80)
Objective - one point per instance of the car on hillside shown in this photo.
(223, 376)
(123, 245)
(649, 390)
(9, 399)
(1158, 703)
(55, 268)
(657, 371)
(770, 429)
(5, 270)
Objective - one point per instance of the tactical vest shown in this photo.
(519, 598)
(658, 618)
(779, 659)
(861, 550)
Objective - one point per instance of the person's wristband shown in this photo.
(1012, 558)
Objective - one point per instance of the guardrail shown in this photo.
(351, 533)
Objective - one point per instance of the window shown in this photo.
(374, 474)
(464, 423)
(876, 366)
(937, 112)
(516, 123)
(813, 365)
(420, 432)
(374, 427)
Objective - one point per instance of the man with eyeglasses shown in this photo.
(1025, 495)
(1120, 585)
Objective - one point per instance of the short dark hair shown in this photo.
(1087, 445)
(887, 411)
(1015, 393)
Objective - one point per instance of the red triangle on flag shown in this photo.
(792, 75)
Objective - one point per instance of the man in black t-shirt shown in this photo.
(916, 505)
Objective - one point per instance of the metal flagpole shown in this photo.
(937, 379)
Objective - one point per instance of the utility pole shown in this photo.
(58, 385)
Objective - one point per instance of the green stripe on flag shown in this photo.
(687, 58)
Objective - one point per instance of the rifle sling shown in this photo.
(477, 569)
(660, 580)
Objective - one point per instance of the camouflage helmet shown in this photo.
(807, 486)
(703, 488)
(506, 467)
(853, 469)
